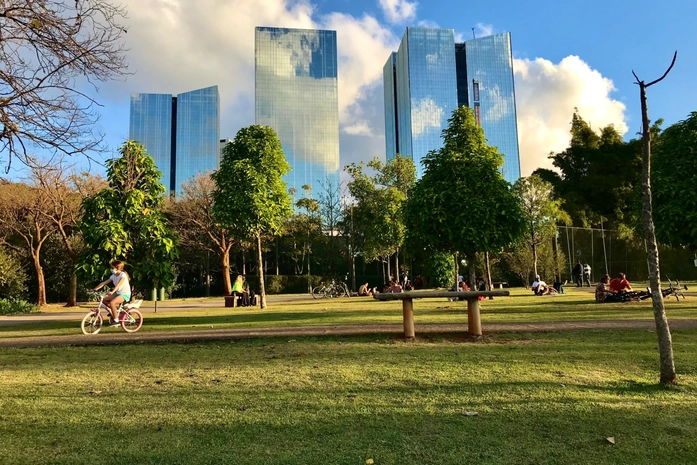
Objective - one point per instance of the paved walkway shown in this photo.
(113, 338)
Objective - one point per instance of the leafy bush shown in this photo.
(16, 306)
(12, 276)
(440, 270)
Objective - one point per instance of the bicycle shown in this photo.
(130, 319)
(330, 291)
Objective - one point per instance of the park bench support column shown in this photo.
(474, 320)
(408, 318)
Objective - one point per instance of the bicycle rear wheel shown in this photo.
(131, 321)
(91, 323)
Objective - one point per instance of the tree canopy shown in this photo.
(250, 195)
(541, 212)
(674, 176)
(125, 222)
(462, 203)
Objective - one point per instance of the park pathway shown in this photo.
(113, 338)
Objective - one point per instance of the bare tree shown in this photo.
(49, 50)
(64, 191)
(192, 219)
(22, 214)
(665, 343)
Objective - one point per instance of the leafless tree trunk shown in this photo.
(665, 343)
(262, 289)
(487, 266)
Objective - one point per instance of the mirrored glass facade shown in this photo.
(198, 134)
(431, 75)
(151, 125)
(426, 92)
(490, 92)
(296, 94)
(181, 133)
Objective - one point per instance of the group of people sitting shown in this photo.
(617, 290)
(393, 286)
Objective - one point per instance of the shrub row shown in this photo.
(16, 306)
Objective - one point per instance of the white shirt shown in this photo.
(125, 287)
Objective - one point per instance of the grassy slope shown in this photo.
(540, 398)
(521, 307)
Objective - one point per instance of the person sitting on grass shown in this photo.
(395, 286)
(364, 290)
(540, 287)
(620, 284)
(603, 292)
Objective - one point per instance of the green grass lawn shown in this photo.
(522, 306)
(540, 398)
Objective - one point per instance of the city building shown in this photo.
(430, 75)
(180, 132)
(296, 94)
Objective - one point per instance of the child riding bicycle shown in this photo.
(119, 294)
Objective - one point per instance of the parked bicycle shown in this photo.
(130, 319)
(332, 290)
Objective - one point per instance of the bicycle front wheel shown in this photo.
(318, 292)
(131, 321)
(91, 323)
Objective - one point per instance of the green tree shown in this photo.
(250, 195)
(541, 212)
(378, 210)
(598, 175)
(462, 203)
(125, 222)
(674, 175)
(12, 276)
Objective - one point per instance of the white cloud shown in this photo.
(425, 115)
(180, 46)
(398, 11)
(546, 95)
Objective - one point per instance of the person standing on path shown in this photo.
(578, 274)
(587, 273)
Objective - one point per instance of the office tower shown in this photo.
(296, 94)
(430, 75)
(180, 132)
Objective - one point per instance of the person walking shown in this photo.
(587, 274)
(578, 274)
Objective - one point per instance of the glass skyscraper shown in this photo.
(296, 94)
(430, 76)
(181, 132)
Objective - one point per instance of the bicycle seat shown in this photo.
(135, 304)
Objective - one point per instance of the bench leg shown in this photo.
(408, 316)
(474, 321)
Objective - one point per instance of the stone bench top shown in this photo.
(436, 294)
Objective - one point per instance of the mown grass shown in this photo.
(540, 398)
(576, 305)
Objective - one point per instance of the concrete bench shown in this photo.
(474, 322)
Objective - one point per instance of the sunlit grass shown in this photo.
(539, 398)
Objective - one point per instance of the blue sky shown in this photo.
(566, 54)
